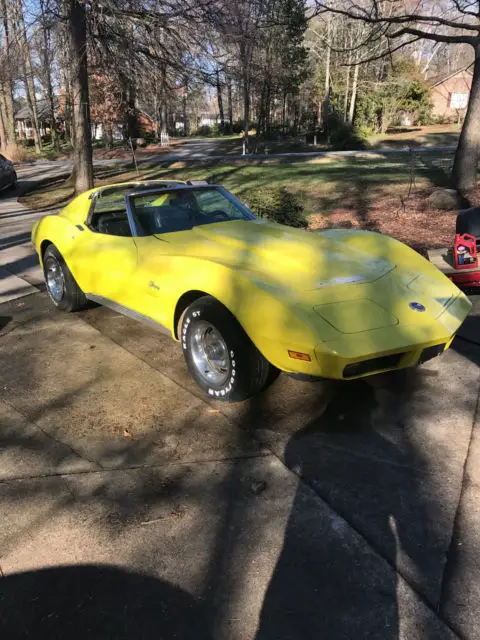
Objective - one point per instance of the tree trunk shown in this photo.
(229, 102)
(130, 129)
(163, 103)
(82, 148)
(28, 75)
(7, 88)
(261, 125)
(353, 98)
(48, 77)
(220, 101)
(326, 94)
(68, 109)
(268, 109)
(246, 105)
(3, 137)
(347, 86)
(186, 123)
(464, 175)
(3, 119)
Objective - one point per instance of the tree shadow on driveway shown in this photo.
(95, 601)
(361, 459)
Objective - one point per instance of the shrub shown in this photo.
(47, 139)
(15, 153)
(215, 130)
(344, 136)
(277, 204)
(148, 136)
(28, 142)
(237, 127)
(203, 131)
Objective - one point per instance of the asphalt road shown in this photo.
(204, 149)
(133, 507)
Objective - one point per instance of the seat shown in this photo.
(114, 224)
(164, 219)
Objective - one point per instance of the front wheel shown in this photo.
(219, 354)
(62, 288)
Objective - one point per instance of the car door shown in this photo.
(104, 257)
(107, 264)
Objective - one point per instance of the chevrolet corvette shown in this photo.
(247, 298)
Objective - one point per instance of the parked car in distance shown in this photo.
(8, 175)
(247, 298)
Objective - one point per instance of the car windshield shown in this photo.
(182, 209)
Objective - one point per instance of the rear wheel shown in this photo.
(62, 288)
(219, 354)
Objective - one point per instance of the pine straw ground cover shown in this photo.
(409, 219)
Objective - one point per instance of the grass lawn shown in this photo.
(381, 192)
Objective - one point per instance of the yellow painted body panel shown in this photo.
(339, 296)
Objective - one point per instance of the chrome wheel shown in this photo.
(209, 353)
(54, 278)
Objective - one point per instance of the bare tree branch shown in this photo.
(358, 12)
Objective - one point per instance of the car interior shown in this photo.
(176, 212)
(109, 214)
(162, 210)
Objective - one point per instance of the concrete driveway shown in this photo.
(132, 507)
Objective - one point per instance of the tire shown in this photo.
(239, 370)
(62, 288)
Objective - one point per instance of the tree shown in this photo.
(27, 69)
(404, 22)
(82, 138)
(402, 91)
(46, 58)
(7, 56)
(106, 101)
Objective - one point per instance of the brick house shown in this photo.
(449, 95)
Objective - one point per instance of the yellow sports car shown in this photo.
(246, 297)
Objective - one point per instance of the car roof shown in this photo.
(175, 187)
(139, 185)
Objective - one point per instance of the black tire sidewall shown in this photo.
(240, 350)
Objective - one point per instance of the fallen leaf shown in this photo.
(257, 487)
(127, 433)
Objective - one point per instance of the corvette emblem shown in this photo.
(416, 306)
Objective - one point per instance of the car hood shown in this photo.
(277, 254)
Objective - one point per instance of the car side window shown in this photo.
(211, 201)
(110, 214)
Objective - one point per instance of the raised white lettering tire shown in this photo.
(219, 354)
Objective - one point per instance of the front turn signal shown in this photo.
(297, 355)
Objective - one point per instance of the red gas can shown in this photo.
(465, 252)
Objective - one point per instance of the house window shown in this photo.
(458, 100)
